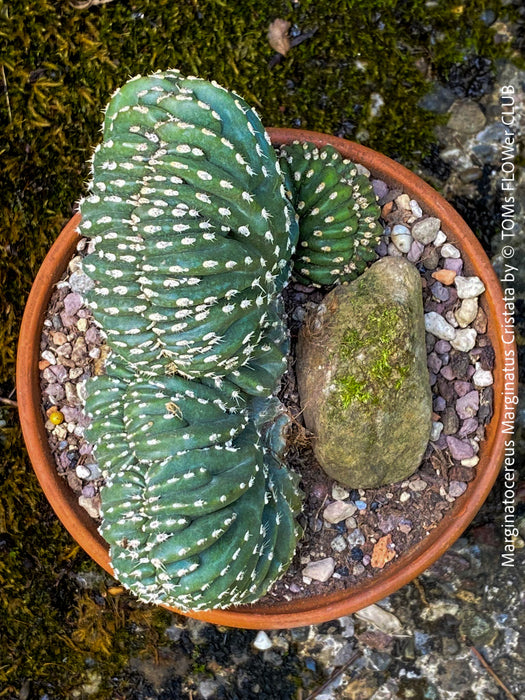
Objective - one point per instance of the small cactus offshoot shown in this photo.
(195, 235)
(338, 214)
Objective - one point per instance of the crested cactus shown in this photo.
(194, 234)
(193, 237)
(338, 214)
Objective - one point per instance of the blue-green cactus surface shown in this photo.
(195, 226)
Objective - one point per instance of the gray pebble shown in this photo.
(436, 324)
(338, 544)
(356, 538)
(425, 230)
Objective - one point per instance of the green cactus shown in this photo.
(193, 237)
(195, 233)
(338, 214)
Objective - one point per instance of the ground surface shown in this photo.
(422, 84)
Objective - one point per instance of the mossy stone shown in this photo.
(363, 378)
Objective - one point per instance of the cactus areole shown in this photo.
(196, 221)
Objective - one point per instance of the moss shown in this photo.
(375, 341)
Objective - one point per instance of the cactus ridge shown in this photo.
(337, 210)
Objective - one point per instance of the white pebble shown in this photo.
(482, 377)
(415, 208)
(262, 641)
(464, 340)
(467, 312)
(440, 239)
(48, 355)
(436, 324)
(450, 251)
(470, 462)
(469, 287)
(403, 201)
(437, 427)
(83, 472)
(417, 485)
(404, 497)
(402, 241)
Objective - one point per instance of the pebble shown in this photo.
(466, 117)
(356, 538)
(382, 619)
(337, 511)
(446, 277)
(415, 208)
(469, 426)
(262, 641)
(469, 287)
(459, 449)
(430, 258)
(482, 377)
(464, 339)
(450, 251)
(403, 201)
(425, 230)
(72, 303)
(457, 488)
(338, 544)
(439, 291)
(404, 497)
(437, 428)
(468, 405)
(453, 265)
(49, 356)
(361, 505)
(320, 570)
(92, 505)
(470, 462)
(442, 347)
(467, 312)
(380, 188)
(417, 485)
(80, 282)
(440, 239)
(415, 252)
(339, 493)
(434, 362)
(436, 324)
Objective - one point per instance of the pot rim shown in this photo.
(313, 609)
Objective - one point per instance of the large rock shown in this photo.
(363, 378)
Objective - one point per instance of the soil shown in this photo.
(387, 521)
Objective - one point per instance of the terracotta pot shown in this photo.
(318, 608)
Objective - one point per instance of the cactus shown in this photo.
(194, 235)
(338, 214)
